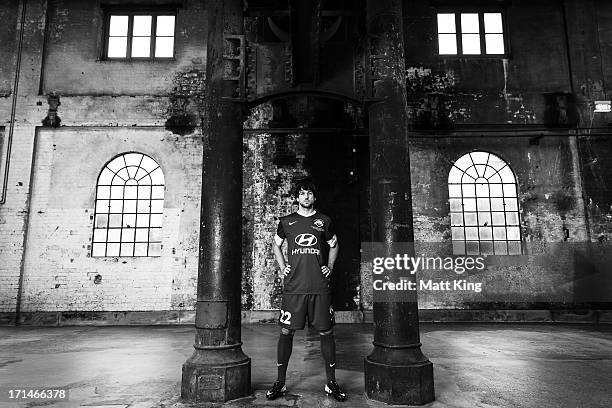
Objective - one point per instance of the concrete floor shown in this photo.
(483, 365)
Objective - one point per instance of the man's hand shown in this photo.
(286, 270)
(326, 271)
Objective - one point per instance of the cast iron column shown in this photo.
(396, 372)
(218, 370)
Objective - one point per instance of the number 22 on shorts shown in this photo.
(285, 317)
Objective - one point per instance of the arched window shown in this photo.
(483, 206)
(129, 207)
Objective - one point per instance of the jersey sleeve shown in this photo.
(280, 234)
(330, 234)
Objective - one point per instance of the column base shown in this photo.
(401, 384)
(216, 376)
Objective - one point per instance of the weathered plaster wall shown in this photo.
(446, 91)
(74, 51)
(59, 272)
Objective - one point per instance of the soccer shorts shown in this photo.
(296, 309)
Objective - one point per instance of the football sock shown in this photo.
(285, 345)
(328, 349)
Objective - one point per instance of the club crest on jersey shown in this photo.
(306, 240)
(318, 223)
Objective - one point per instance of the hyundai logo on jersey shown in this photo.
(306, 240)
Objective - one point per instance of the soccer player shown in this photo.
(312, 251)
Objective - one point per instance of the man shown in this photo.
(312, 251)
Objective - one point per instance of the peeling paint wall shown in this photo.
(59, 272)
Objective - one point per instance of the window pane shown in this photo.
(144, 206)
(513, 233)
(507, 175)
(129, 206)
(102, 206)
(114, 220)
(512, 218)
(499, 233)
(140, 249)
(117, 47)
(496, 190)
(142, 235)
(99, 235)
(447, 44)
(127, 234)
(114, 235)
(118, 26)
(165, 26)
(458, 248)
(479, 158)
(471, 44)
(469, 23)
(498, 218)
(501, 248)
(455, 204)
(482, 189)
(130, 192)
(127, 249)
(141, 47)
(472, 248)
(142, 26)
(454, 176)
(144, 192)
(116, 206)
(98, 249)
(469, 204)
(129, 220)
(142, 221)
(483, 204)
(157, 192)
(486, 248)
(471, 233)
(157, 176)
(497, 204)
(456, 219)
(101, 221)
(164, 47)
(469, 190)
(484, 218)
(486, 233)
(470, 218)
(493, 23)
(511, 204)
(454, 190)
(494, 43)
(148, 164)
(103, 192)
(446, 23)
(457, 233)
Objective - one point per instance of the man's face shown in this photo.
(306, 198)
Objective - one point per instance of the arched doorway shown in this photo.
(287, 137)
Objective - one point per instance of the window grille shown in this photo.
(129, 207)
(140, 35)
(484, 208)
(471, 33)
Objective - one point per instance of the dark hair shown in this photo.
(304, 184)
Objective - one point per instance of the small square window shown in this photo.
(471, 33)
(140, 35)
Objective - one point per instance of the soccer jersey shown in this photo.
(308, 240)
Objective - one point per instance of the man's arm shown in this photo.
(334, 248)
(278, 254)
